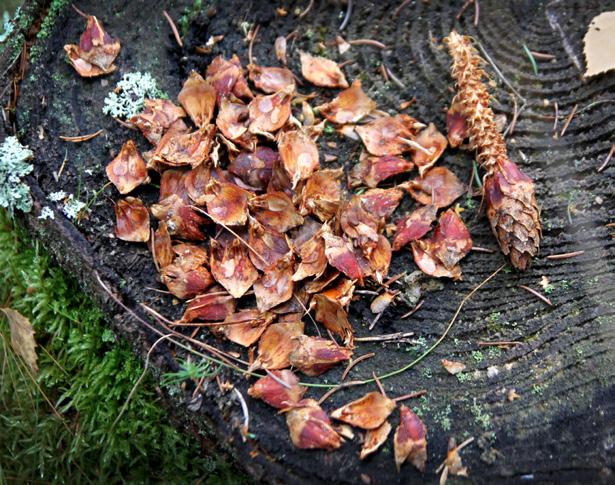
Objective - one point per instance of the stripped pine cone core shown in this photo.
(509, 193)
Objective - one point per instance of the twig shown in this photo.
(366, 292)
(80, 12)
(556, 116)
(178, 39)
(346, 16)
(372, 42)
(531, 57)
(253, 35)
(246, 414)
(393, 279)
(336, 388)
(375, 321)
(420, 393)
(463, 9)
(354, 362)
(498, 343)
(307, 9)
(395, 79)
(410, 365)
(414, 310)
(379, 384)
(277, 379)
(385, 338)
(478, 249)
(499, 73)
(542, 56)
(608, 158)
(136, 385)
(383, 71)
(476, 13)
(568, 120)
(536, 294)
(573, 254)
(513, 122)
(79, 139)
(402, 5)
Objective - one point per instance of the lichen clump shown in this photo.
(128, 97)
(14, 193)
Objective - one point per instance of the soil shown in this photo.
(562, 426)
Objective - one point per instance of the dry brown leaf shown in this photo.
(389, 135)
(270, 113)
(414, 226)
(367, 412)
(271, 79)
(255, 168)
(96, 51)
(310, 427)
(159, 116)
(214, 306)
(127, 171)
(271, 390)
(231, 267)
(227, 203)
(276, 345)
(321, 71)
(410, 441)
(599, 44)
(132, 220)
(276, 285)
(374, 439)
(22, 337)
(453, 367)
(372, 170)
(299, 154)
(276, 211)
(434, 144)
(246, 326)
(315, 355)
(381, 202)
(198, 98)
(439, 187)
(350, 106)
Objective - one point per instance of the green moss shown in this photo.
(47, 27)
(481, 416)
(87, 375)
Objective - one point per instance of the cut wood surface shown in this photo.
(562, 425)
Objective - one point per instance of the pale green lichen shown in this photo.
(128, 97)
(14, 193)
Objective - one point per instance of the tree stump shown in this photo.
(562, 426)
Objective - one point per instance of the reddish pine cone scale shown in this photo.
(509, 193)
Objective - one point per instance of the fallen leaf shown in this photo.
(322, 194)
(271, 391)
(451, 238)
(127, 171)
(315, 355)
(374, 439)
(276, 285)
(313, 259)
(439, 187)
(331, 313)
(310, 427)
(453, 367)
(226, 203)
(158, 116)
(599, 44)
(198, 98)
(182, 221)
(270, 113)
(389, 135)
(341, 255)
(255, 168)
(372, 170)
(358, 224)
(214, 306)
(433, 143)
(173, 182)
(271, 79)
(22, 337)
(367, 412)
(276, 211)
(231, 267)
(178, 149)
(321, 71)
(227, 77)
(96, 51)
(456, 127)
(268, 246)
(246, 326)
(350, 106)
(382, 302)
(162, 248)
(410, 441)
(186, 281)
(233, 120)
(378, 259)
(276, 345)
(132, 220)
(381, 203)
(414, 226)
(299, 155)
(280, 49)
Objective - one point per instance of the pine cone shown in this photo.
(509, 193)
